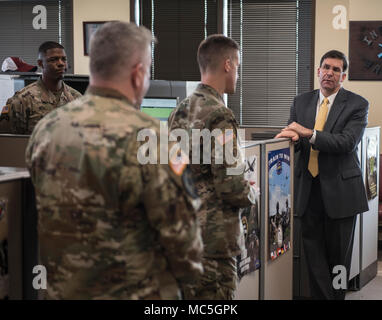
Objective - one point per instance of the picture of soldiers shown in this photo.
(371, 167)
(249, 260)
(279, 203)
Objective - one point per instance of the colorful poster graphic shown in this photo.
(279, 211)
(371, 166)
(249, 259)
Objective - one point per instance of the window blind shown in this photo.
(180, 26)
(276, 52)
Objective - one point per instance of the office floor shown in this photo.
(373, 290)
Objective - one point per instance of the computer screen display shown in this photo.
(159, 108)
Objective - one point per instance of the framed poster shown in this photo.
(249, 259)
(365, 50)
(371, 166)
(279, 206)
(89, 28)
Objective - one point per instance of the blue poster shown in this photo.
(279, 200)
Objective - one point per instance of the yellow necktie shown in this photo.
(318, 126)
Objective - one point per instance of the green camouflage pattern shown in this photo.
(218, 281)
(32, 103)
(222, 195)
(109, 227)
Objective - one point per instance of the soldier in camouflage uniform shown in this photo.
(110, 227)
(222, 194)
(33, 102)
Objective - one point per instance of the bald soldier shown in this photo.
(111, 227)
(33, 102)
(222, 194)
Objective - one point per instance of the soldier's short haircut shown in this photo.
(115, 46)
(212, 49)
(335, 54)
(44, 47)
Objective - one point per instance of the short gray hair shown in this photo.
(117, 46)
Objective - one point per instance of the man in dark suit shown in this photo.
(327, 126)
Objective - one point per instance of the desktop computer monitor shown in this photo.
(159, 108)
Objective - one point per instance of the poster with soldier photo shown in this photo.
(279, 196)
(371, 166)
(249, 259)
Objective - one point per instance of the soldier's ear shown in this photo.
(227, 65)
(39, 63)
(136, 76)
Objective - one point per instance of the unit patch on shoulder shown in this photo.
(178, 162)
(225, 137)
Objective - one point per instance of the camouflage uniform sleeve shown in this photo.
(75, 94)
(17, 114)
(171, 117)
(170, 198)
(4, 119)
(232, 188)
(70, 93)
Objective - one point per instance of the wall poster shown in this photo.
(279, 200)
(249, 260)
(371, 166)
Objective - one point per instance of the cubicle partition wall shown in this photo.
(355, 261)
(368, 238)
(18, 221)
(273, 279)
(248, 286)
(12, 148)
(18, 234)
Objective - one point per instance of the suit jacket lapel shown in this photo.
(311, 110)
(335, 110)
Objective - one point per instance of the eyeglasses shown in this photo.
(326, 68)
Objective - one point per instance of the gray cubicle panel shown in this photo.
(11, 280)
(13, 150)
(355, 265)
(355, 262)
(248, 286)
(276, 276)
(18, 237)
(301, 286)
(369, 219)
